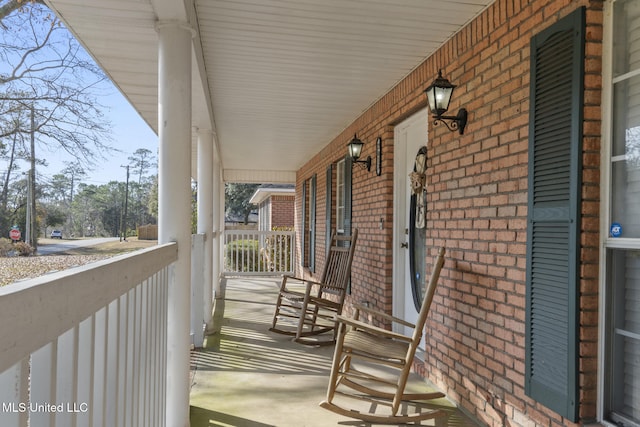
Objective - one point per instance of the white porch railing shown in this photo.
(87, 346)
(198, 315)
(252, 252)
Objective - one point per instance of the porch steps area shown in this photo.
(248, 376)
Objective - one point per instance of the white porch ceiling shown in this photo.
(276, 80)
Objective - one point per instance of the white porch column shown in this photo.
(174, 204)
(218, 223)
(205, 217)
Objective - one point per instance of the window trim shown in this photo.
(607, 243)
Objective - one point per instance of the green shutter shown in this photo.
(553, 235)
(312, 224)
(303, 234)
(328, 206)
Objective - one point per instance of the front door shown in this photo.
(410, 142)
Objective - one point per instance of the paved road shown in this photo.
(51, 246)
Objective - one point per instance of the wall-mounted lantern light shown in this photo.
(439, 96)
(355, 150)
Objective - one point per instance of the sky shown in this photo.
(129, 133)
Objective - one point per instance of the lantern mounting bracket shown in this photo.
(457, 122)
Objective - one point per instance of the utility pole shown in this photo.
(123, 232)
(27, 231)
(33, 235)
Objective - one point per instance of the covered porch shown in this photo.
(248, 376)
(271, 91)
(87, 347)
(243, 91)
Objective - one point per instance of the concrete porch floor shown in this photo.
(250, 377)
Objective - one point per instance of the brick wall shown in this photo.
(477, 208)
(282, 211)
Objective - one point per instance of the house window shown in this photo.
(621, 369)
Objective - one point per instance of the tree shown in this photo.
(49, 91)
(109, 198)
(54, 216)
(236, 199)
(141, 162)
(46, 72)
(9, 154)
(86, 207)
(152, 203)
(58, 190)
(74, 173)
(8, 7)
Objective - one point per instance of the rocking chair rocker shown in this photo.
(377, 348)
(310, 307)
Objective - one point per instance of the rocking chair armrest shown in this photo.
(309, 283)
(324, 302)
(376, 313)
(374, 330)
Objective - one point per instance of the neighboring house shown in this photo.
(237, 221)
(276, 206)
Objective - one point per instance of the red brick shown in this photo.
(477, 207)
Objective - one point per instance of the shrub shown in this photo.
(23, 249)
(276, 252)
(6, 246)
(243, 255)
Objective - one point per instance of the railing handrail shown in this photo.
(37, 311)
(248, 260)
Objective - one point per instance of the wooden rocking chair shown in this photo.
(310, 307)
(379, 349)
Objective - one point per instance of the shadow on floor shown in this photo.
(206, 418)
(249, 376)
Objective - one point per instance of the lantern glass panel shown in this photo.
(355, 148)
(442, 98)
(431, 97)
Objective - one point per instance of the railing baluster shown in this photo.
(243, 252)
(136, 356)
(84, 389)
(129, 369)
(111, 366)
(66, 361)
(281, 253)
(274, 253)
(148, 355)
(162, 345)
(99, 383)
(153, 334)
(43, 383)
(14, 386)
(122, 359)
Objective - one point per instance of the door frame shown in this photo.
(400, 211)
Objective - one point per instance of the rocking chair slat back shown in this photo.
(379, 347)
(335, 277)
(314, 308)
